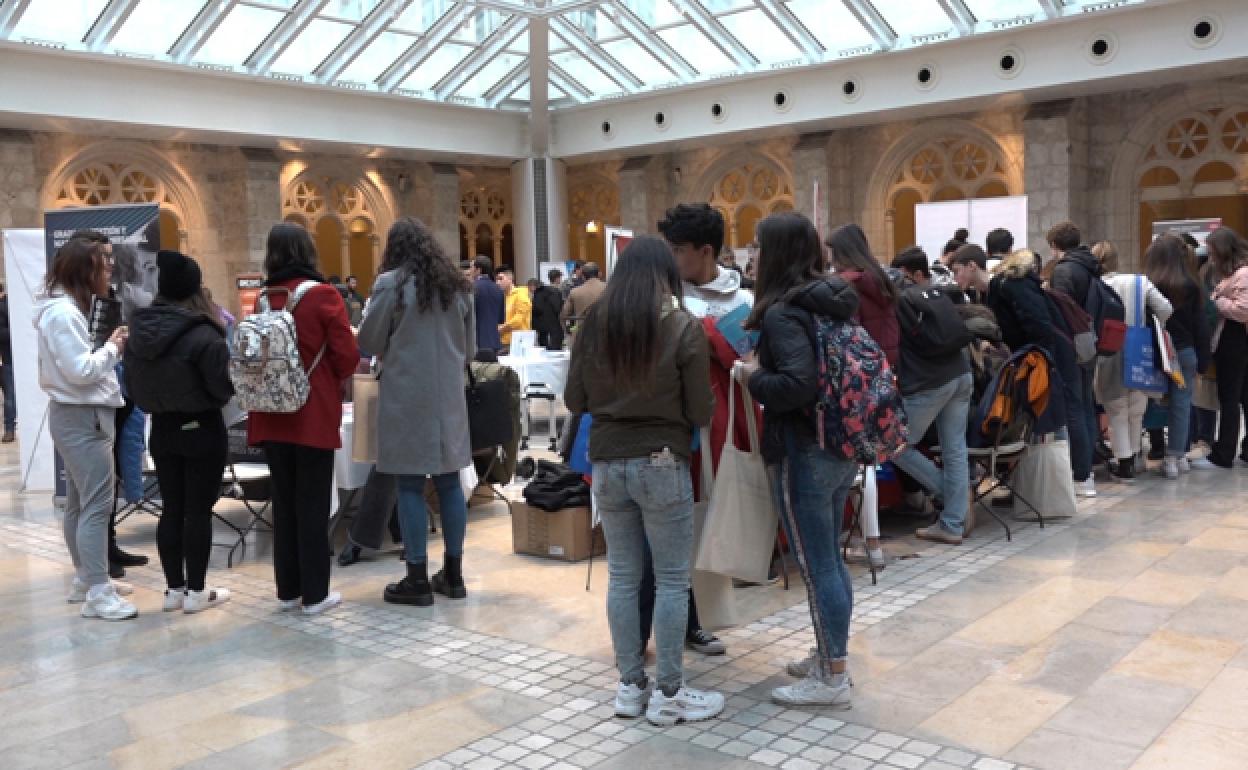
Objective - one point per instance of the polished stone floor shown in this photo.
(1115, 639)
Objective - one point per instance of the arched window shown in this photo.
(104, 183)
(747, 193)
(342, 222)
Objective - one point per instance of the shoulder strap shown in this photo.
(300, 291)
(1139, 300)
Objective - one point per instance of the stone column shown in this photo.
(634, 188)
(263, 187)
(445, 218)
(1055, 168)
(19, 182)
(810, 165)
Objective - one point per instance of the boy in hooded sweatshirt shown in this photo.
(695, 231)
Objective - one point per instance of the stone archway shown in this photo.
(939, 160)
(359, 209)
(746, 189)
(1191, 145)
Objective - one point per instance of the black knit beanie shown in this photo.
(179, 276)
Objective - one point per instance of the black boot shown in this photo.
(413, 589)
(350, 554)
(124, 558)
(449, 581)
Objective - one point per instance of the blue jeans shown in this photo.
(642, 501)
(810, 486)
(947, 406)
(10, 397)
(1180, 407)
(414, 515)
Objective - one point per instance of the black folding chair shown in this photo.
(247, 480)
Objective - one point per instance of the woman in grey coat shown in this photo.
(420, 323)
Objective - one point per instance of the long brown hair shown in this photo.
(200, 303)
(850, 251)
(1227, 253)
(74, 269)
(789, 255)
(1166, 265)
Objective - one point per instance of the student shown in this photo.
(640, 366)
(695, 233)
(420, 323)
(177, 370)
(518, 306)
(83, 395)
(355, 301)
(300, 446)
(1074, 270)
(547, 304)
(999, 244)
(1228, 271)
(1123, 407)
(914, 266)
(877, 306)
(489, 305)
(1166, 263)
(810, 484)
(583, 297)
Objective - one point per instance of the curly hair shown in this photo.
(412, 250)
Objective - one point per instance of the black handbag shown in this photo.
(489, 412)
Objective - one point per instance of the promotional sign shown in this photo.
(1197, 228)
(25, 264)
(249, 287)
(617, 240)
(134, 230)
(935, 223)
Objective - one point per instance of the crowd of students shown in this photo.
(652, 366)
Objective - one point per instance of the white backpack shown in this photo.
(265, 367)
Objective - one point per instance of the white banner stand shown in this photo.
(25, 263)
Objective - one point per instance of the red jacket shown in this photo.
(877, 314)
(320, 319)
(723, 356)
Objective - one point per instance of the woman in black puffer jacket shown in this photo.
(177, 370)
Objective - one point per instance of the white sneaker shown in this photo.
(289, 605)
(687, 705)
(631, 700)
(1086, 488)
(1170, 468)
(175, 598)
(108, 605)
(800, 669)
(1201, 464)
(78, 591)
(813, 691)
(197, 601)
(328, 603)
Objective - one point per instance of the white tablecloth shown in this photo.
(541, 366)
(348, 474)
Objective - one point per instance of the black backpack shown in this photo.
(1108, 313)
(930, 322)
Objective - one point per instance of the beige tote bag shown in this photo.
(366, 392)
(717, 605)
(740, 530)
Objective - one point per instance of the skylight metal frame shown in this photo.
(696, 22)
(108, 23)
(290, 27)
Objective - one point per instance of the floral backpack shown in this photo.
(265, 366)
(859, 413)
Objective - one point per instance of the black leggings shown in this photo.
(1231, 358)
(189, 487)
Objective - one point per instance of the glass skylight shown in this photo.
(476, 51)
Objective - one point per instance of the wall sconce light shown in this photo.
(404, 184)
(591, 227)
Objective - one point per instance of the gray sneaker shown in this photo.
(813, 691)
(800, 669)
(937, 534)
(705, 642)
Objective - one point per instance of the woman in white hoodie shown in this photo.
(83, 393)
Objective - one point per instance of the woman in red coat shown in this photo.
(300, 446)
(877, 296)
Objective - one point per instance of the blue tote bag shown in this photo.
(1139, 360)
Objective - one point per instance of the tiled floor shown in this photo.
(1113, 640)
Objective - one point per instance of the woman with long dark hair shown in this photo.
(177, 370)
(83, 396)
(1228, 272)
(810, 483)
(641, 367)
(299, 446)
(420, 322)
(1167, 265)
(877, 295)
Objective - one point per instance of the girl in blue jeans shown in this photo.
(1169, 266)
(640, 365)
(810, 484)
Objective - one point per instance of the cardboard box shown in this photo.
(564, 535)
